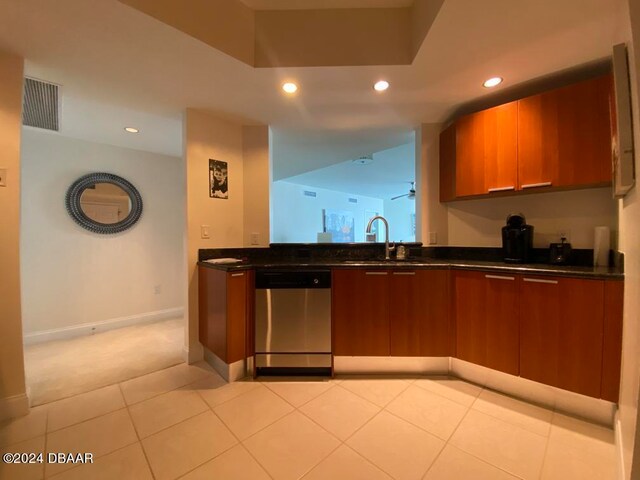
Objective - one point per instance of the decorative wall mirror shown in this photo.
(104, 203)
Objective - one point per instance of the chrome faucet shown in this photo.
(387, 248)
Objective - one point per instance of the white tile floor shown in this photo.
(187, 422)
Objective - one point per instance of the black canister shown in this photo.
(517, 239)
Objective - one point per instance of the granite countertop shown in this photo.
(610, 273)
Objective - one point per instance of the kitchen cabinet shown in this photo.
(612, 340)
(448, 164)
(557, 139)
(360, 312)
(486, 150)
(561, 335)
(397, 312)
(419, 313)
(487, 327)
(225, 306)
(564, 136)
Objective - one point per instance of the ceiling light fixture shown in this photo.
(492, 82)
(381, 85)
(290, 87)
(364, 160)
(131, 130)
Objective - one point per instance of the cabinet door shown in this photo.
(562, 332)
(502, 323)
(564, 136)
(223, 312)
(487, 326)
(448, 164)
(419, 313)
(360, 306)
(486, 151)
(612, 341)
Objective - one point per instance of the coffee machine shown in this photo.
(517, 239)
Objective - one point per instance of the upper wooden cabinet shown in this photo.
(564, 136)
(557, 139)
(486, 150)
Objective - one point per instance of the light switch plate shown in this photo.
(204, 231)
(3, 177)
(255, 239)
(433, 238)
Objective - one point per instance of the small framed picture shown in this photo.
(218, 179)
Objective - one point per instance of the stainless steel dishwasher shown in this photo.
(293, 322)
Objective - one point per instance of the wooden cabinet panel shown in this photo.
(448, 164)
(612, 341)
(562, 332)
(564, 136)
(360, 306)
(486, 151)
(501, 152)
(540, 330)
(471, 319)
(502, 323)
(487, 320)
(224, 312)
(419, 313)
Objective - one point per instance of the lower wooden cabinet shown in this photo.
(419, 313)
(360, 311)
(487, 325)
(225, 305)
(562, 328)
(391, 312)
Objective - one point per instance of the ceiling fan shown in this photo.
(411, 195)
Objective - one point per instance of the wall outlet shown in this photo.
(433, 238)
(3, 177)
(157, 289)
(563, 233)
(255, 239)
(205, 231)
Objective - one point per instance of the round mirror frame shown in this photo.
(72, 202)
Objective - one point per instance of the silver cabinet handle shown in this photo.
(375, 273)
(536, 185)
(404, 273)
(237, 274)
(499, 277)
(539, 280)
(502, 189)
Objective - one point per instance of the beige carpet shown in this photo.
(63, 368)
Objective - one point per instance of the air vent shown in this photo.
(353, 200)
(308, 193)
(40, 105)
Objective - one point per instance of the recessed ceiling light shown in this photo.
(290, 87)
(131, 129)
(381, 85)
(492, 82)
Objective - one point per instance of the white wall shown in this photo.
(398, 214)
(297, 218)
(71, 276)
(478, 222)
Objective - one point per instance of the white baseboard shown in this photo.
(388, 365)
(103, 326)
(193, 354)
(230, 372)
(593, 409)
(14, 406)
(619, 448)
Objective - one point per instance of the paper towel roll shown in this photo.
(601, 246)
